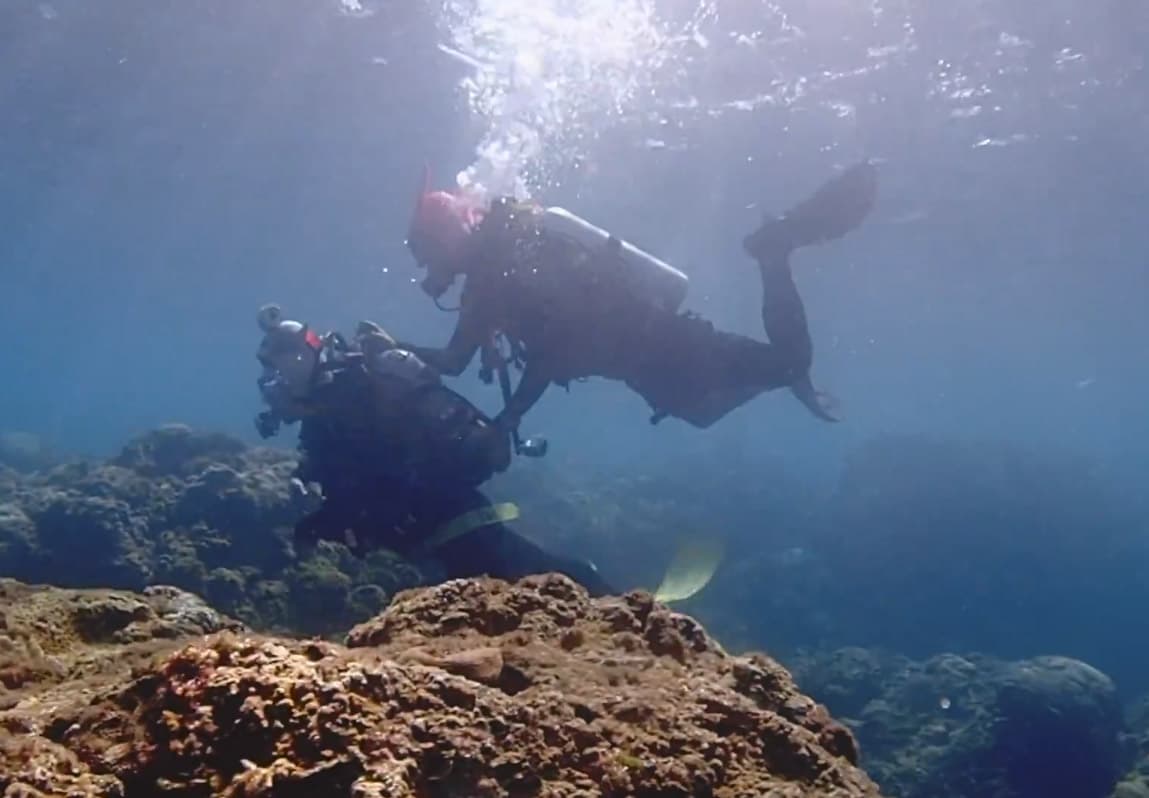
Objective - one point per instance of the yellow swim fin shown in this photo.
(471, 520)
(691, 570)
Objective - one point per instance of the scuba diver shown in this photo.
(396, 455)
(571, 301)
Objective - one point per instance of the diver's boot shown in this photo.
(839, 206)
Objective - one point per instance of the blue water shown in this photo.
(167, 167)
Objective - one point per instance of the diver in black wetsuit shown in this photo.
(397, 455)
(574, 302)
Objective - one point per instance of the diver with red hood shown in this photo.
(572, 301)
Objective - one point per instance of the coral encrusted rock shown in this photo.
(472, 688)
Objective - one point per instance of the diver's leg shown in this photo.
(784, 318)
(498, 552)
(694, 372)
(838, 207)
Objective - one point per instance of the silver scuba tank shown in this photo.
(652, 279)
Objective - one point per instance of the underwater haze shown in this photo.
(167, 167)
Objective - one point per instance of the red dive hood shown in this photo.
(442, 220)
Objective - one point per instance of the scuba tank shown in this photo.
(650, 279)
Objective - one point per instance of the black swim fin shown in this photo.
(839, 206)
(819, 403)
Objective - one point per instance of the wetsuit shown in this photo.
(571, 319)
(394, 480)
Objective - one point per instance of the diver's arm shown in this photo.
(530, 389)
(454, 358)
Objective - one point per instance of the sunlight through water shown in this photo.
(547, 80)
(547, 75)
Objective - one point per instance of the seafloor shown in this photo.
(204, 659)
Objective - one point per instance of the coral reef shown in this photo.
(62, 645)
(972, 726)
(1026, 544)
(1021, 538)
(23, 451)
(1136, 782)
(471, 688)
(200, 511)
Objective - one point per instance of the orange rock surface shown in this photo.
(472, 688)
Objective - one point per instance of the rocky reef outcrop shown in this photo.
(1136, 782)
(23, 451)
(49, 636)
(471, 688)
(913, 523)
(972, 726)
(197, 510)
(206, 514)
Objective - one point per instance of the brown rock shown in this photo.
(475, 688)
(50, 635)
(483, 665)
(33, 766)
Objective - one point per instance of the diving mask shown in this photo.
(289, 354)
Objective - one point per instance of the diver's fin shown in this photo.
(841, 204)
(820, 403)
(690, 571)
